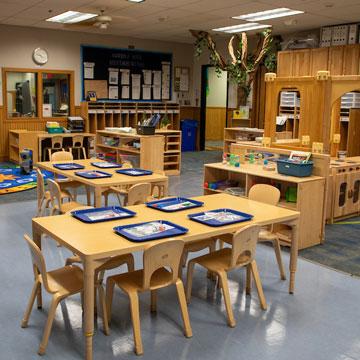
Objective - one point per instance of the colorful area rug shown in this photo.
(12, 180)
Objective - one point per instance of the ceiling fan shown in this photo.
(102, 21)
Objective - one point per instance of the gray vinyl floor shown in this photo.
(321, 321)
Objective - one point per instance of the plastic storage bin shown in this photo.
(54, 130)
(188, 130)
(290, 168)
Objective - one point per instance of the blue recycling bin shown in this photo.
(188, 130)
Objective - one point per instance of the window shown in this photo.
(55, 88)
(21, 94)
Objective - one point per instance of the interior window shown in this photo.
(21, 94)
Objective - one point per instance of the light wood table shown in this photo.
(95, 243)
(101, 185)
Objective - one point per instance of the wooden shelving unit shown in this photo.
(172, 151)
(99, 115)
(148, 149)
(236, 134)
(310, 196)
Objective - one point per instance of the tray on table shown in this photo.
(220, 217)
(69, 166)
(105, 165)
(93, 174)
(150, 230)
(134, 172)
(108, 213)
(174, 204)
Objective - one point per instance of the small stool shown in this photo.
(78, 144)
(56, 145)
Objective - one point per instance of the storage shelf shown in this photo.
(127, 149)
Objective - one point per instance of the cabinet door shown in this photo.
(351, 60)
(319, 60)
(284, 63)
(341, 183)
(353, 197)
(336, 55)
(301, 63)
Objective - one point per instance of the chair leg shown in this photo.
(34, 291)
(189, 278)
(49, 154)
(135, 317)
(258, 285)
(183, 306)
(54, 303)
(153, 301)
(226, 293)
(110, 284)
(248, 280)
(103, 309)
(84, 153)
(88, 195)
(106, 199)
(212, 248)
(277, 248)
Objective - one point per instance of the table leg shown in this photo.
(37, 241)
(97, 196)
(88, 195)
(166, 188)
(293, 255)
(88, 307)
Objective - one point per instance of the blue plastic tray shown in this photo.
(174, 230)
(69, 166)
(174, 204)
(134, 172)
(108, 213)
(93, 174)
(205, 217)
(105, 165)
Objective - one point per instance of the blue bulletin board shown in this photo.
(117, 74)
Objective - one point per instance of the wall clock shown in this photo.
(40, 56)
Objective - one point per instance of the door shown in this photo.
(213, 107)
(341, 182)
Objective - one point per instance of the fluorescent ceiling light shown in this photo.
(242, 28)
(71, 17)
(268, 14)
(136, 1)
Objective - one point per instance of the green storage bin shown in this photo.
(54, 130)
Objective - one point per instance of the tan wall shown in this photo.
(17, 44)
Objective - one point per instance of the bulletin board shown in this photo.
(117, 74)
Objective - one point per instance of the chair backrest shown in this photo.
(40, 185)
(62, 156)
(56, 142)
(267, 194)
(244, 245)
(165, 254)
(126, 165)
(78, 141)
(55, 193)
(38, 262)
(138, 194)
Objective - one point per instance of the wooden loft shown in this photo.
(318, 97)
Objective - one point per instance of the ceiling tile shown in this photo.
(206, 5)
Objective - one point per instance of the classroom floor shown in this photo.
(318, 322)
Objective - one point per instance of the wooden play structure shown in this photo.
(319, 113)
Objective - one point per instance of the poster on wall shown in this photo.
(113, 92)
(113, 76)
(117, 67)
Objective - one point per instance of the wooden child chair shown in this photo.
(59, 283)
(155, 275)
(56, 200)
(267, 194)
(78, 145)
(67, 183)
(56, 145)
(44, 199)
(158, 190)
(135, 195)
(242, 253)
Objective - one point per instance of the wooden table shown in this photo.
(101, 185)
(95, 243)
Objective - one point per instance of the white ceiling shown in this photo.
(170, 20)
